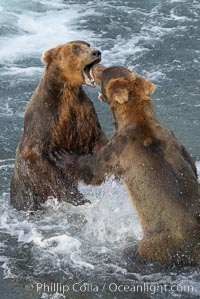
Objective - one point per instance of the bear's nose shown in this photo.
(96, 53)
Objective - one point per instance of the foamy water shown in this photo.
(95, 242)
(89, 240)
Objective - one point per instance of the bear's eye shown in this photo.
(76, 49)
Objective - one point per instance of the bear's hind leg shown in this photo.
(75, 197)
(162, 248)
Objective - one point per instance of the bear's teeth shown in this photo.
(89, 81)
(91, 74)
(100, 97)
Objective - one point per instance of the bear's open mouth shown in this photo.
(87, 73)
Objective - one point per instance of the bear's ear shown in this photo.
(146, 85)
(47, 56)
(118, 90)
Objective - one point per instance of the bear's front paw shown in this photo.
(58, 156)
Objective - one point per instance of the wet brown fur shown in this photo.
(58, 116)
(156, 169)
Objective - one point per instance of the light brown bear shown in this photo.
(58, 116)
(156, 169)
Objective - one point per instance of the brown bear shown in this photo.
(156, 169)
(58, 115)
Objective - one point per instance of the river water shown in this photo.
(47, 254)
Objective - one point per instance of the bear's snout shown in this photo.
(96, 53)
(97, 71)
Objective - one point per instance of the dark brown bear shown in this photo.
(59, 115)
(156, 169)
